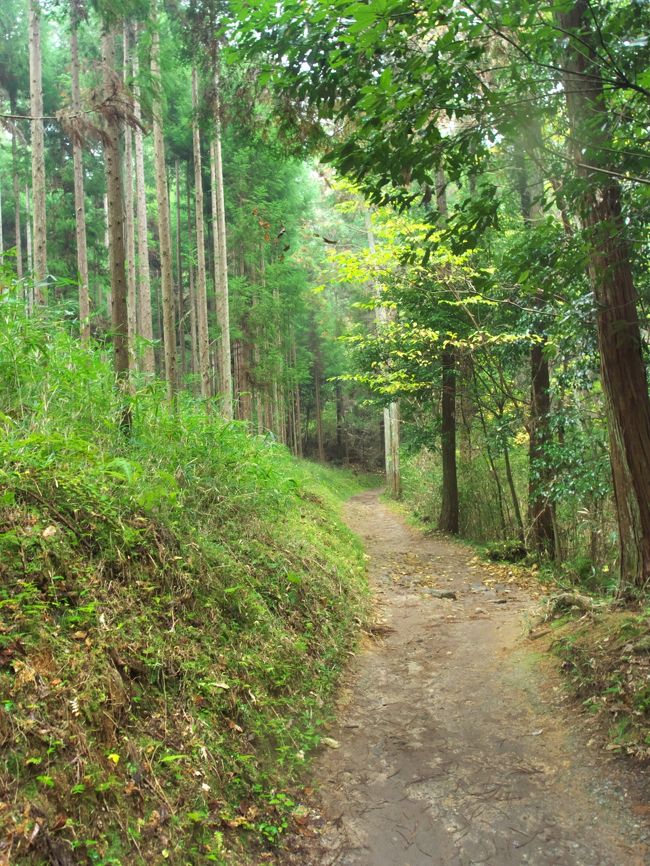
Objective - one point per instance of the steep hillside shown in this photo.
(174, 609)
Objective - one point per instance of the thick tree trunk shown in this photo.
(201, 288)
(144, 314)
(621, 363)
(119, 310)
(38, 152)
(129, 223)
(221, 272)
(448, 521)
(79, 202)
(164, 229)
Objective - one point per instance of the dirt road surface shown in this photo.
(455, 748)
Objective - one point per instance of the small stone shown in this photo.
(331, 743)
(442, 593)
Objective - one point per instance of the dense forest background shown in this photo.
(359, 228)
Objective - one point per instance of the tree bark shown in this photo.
(144, 314)
(391, 412)
(541, 518)
(115, 204)
(190, 270)
(622, 368)
(201, 288)
(16, 191)
(38, 152)
(29, 284)
(448, 521)
(79, 202)
(164, 228)
(318, 408)
(221, 271)
(449, 518)
(129, 223)
(180, 294)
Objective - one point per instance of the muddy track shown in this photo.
(455, 749)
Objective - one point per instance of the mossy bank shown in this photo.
(175, 608)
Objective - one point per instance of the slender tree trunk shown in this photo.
(79, 202)
(180, 293)
(28, 241)
(391, 412)
(622, 368)
(201, 288)
(119, 309)
(513, 492)
(164, 228)
(494, 471)
(318, 373)
(190, 270)
(38, 152)
(449, 518)
(16, 191)
(448, 521)
(296, 389)
(144, 314)
(221, 267)
(540, 509)
(129, 223)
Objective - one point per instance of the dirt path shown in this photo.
(453, 749)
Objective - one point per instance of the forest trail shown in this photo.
(454, 747)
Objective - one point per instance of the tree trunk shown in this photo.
(38, 152)
(449, 518)
(164, 228)
(391, 412)
(318, 373)
(448, 521)
(201, 288)
(492, 465)
(16, 191)
(117, 264)
(296, 397)
(221, 261)
(621, 363)
(29, 287)
(79, 203)
(540, 509)
(129, 226)
(144, 314)
(190, 270)
(180, 294)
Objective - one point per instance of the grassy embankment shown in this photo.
(175, 608)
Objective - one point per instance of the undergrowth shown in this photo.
(175, 608)
(606, 658)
